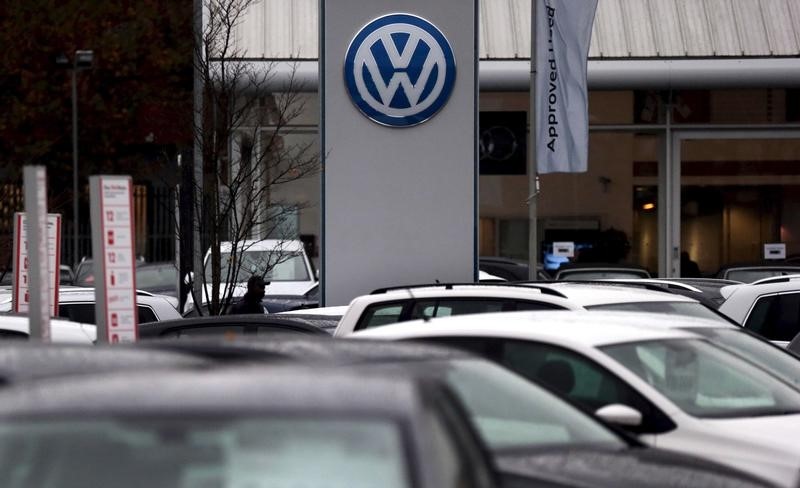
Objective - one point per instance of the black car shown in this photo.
(599, 271)
(750, 272)
(25, 361)
(232, 326)
(246, 427)
(537, 438)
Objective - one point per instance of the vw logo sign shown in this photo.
(399, 70)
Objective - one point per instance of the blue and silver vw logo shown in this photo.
(399, 70)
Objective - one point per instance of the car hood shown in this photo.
(632, 467)
(297, 288)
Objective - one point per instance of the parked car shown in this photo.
(160, 278)
(283, 264)
(238, 427)
(65, 276)
(597, 271)
(62, 331)
(748, 273)
(78, 304)
(26, 361)
(231, 326)
(537, 438)
(401, 304)
(675, 389)
(707, 287)
(770, 308)
(510, 269)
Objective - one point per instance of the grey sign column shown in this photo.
(399, 134)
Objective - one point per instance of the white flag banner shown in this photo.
(563, 33)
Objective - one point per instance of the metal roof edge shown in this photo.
(650, 74)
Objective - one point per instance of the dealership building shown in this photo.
(694, 113)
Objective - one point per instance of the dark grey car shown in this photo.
(537, 438)
(285, 426)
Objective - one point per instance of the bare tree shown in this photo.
(242, 131)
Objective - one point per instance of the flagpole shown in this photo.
(533, 177)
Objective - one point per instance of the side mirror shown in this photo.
(188, 279)
(621, 415)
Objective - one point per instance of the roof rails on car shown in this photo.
(777, 279)
(543, 289)
(631, 283)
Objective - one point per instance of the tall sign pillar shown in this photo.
(399, 138)
(114, 257)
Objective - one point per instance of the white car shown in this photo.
(78, 304)
(283, 264)
(63, 331)
(768, 307)
(674, 388)
(402, 304)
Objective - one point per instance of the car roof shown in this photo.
(564, 327)
(599, 293)
(312, 349)
(154, 328)
(85, 294)
(244, 390)
(768, 286)
(335, 312)
(34, 360)
(490, 290)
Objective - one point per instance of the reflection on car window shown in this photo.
(569, 374)
(228, 332)
(772, 358)
(513, 413)
(456, 306)
(776, 317)
(705, 380)
(378, 315)
(84, 313)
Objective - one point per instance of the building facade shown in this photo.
(694, 114)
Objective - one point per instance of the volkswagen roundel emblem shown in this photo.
(399, 70)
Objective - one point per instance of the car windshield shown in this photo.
(84, 276)
(162, 276)
(512, 413)
(271, 265)
(705, 380)
(207, 452)
(774, 359)
(692, 309)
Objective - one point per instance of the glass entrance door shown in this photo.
(736, 195)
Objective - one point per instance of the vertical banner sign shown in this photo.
(399, 123)
(563, 34)
(35, 189)
(114, 251)
(21, 288)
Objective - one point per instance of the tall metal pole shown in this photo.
(533, 177)
(75, 214)
(197, 159)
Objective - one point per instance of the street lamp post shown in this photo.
(83, 60)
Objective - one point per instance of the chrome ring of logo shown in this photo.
(399, 70)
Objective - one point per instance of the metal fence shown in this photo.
(154, 216)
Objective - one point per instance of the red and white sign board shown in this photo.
(21, 297)
(112, 240)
